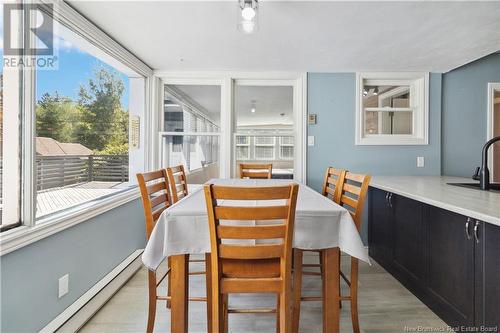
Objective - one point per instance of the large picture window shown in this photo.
(65, 131)
(392, 109)
(82, 126)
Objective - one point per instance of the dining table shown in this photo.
(320, 224)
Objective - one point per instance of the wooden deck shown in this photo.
(59, 198)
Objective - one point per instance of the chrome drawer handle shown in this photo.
(476, 236)
(467, 232)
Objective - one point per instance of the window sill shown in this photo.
(391, 140)
(21, 236)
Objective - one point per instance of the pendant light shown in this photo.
(247, 15)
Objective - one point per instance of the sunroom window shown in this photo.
(65, 131)
(83, 111)
(392, 109)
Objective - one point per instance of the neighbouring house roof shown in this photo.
(51, 147)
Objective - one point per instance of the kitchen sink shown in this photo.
(494, 187)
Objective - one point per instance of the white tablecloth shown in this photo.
(319, 224)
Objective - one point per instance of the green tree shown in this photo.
(54, 114)
(103, 123)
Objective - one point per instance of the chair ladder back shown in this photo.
(353, 195)
(233, 254)
(332, 185)
(256, 171)
(155, 194)
(178, 182)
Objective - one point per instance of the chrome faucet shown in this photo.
(483, 173)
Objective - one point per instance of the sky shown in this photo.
(75, 68)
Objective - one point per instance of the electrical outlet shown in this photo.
(420, 162)
(310, 140)
(63, 285)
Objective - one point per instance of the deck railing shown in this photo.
(57, 171)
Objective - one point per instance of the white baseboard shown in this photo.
(78, 313)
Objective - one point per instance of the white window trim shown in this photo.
(273, 145)
(420, 119)
(227, 80)
(284, 145)
(30, 232)
(492, 87)
(243, 145)
(19, 237)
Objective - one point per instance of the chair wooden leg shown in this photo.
(354, 295)
(152, 301)
(169, 284)
(277, 313)
(285, 312)
(225, 303)
(340, 280)
(208, 286)
(297, 288)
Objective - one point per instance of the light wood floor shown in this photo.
(385, 306)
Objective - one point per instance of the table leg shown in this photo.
(180, 293)
(331, 291)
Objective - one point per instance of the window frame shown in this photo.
(191, 109)
(30, 229)
(247, 144)
(255, 145)
(281, 144)
(419, 91)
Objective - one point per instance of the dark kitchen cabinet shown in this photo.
(380, 232)
(409, 238)
(449, 261)
(487, 275)
(451, 266)
(396, 235)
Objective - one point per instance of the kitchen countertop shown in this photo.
(434, 190)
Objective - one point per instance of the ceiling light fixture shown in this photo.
(252, 110)
(365, 92)
(247, 15)
(375, 91)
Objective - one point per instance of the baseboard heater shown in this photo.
(78, 313)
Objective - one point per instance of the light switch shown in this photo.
(63, 285)
(310, 140)
(420, 162)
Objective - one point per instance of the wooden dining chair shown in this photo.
(256, 171)
(353, 198)
(178, 182)
(155, 193)
(156, 197)
(264, 267)
(179, 189)
(332, 189)
(351, 195)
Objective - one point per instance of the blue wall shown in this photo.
(464, 114)
(332, 97)
(87, 251)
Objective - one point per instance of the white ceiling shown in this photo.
(207, 96)
(273, 105)
(302, 35)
